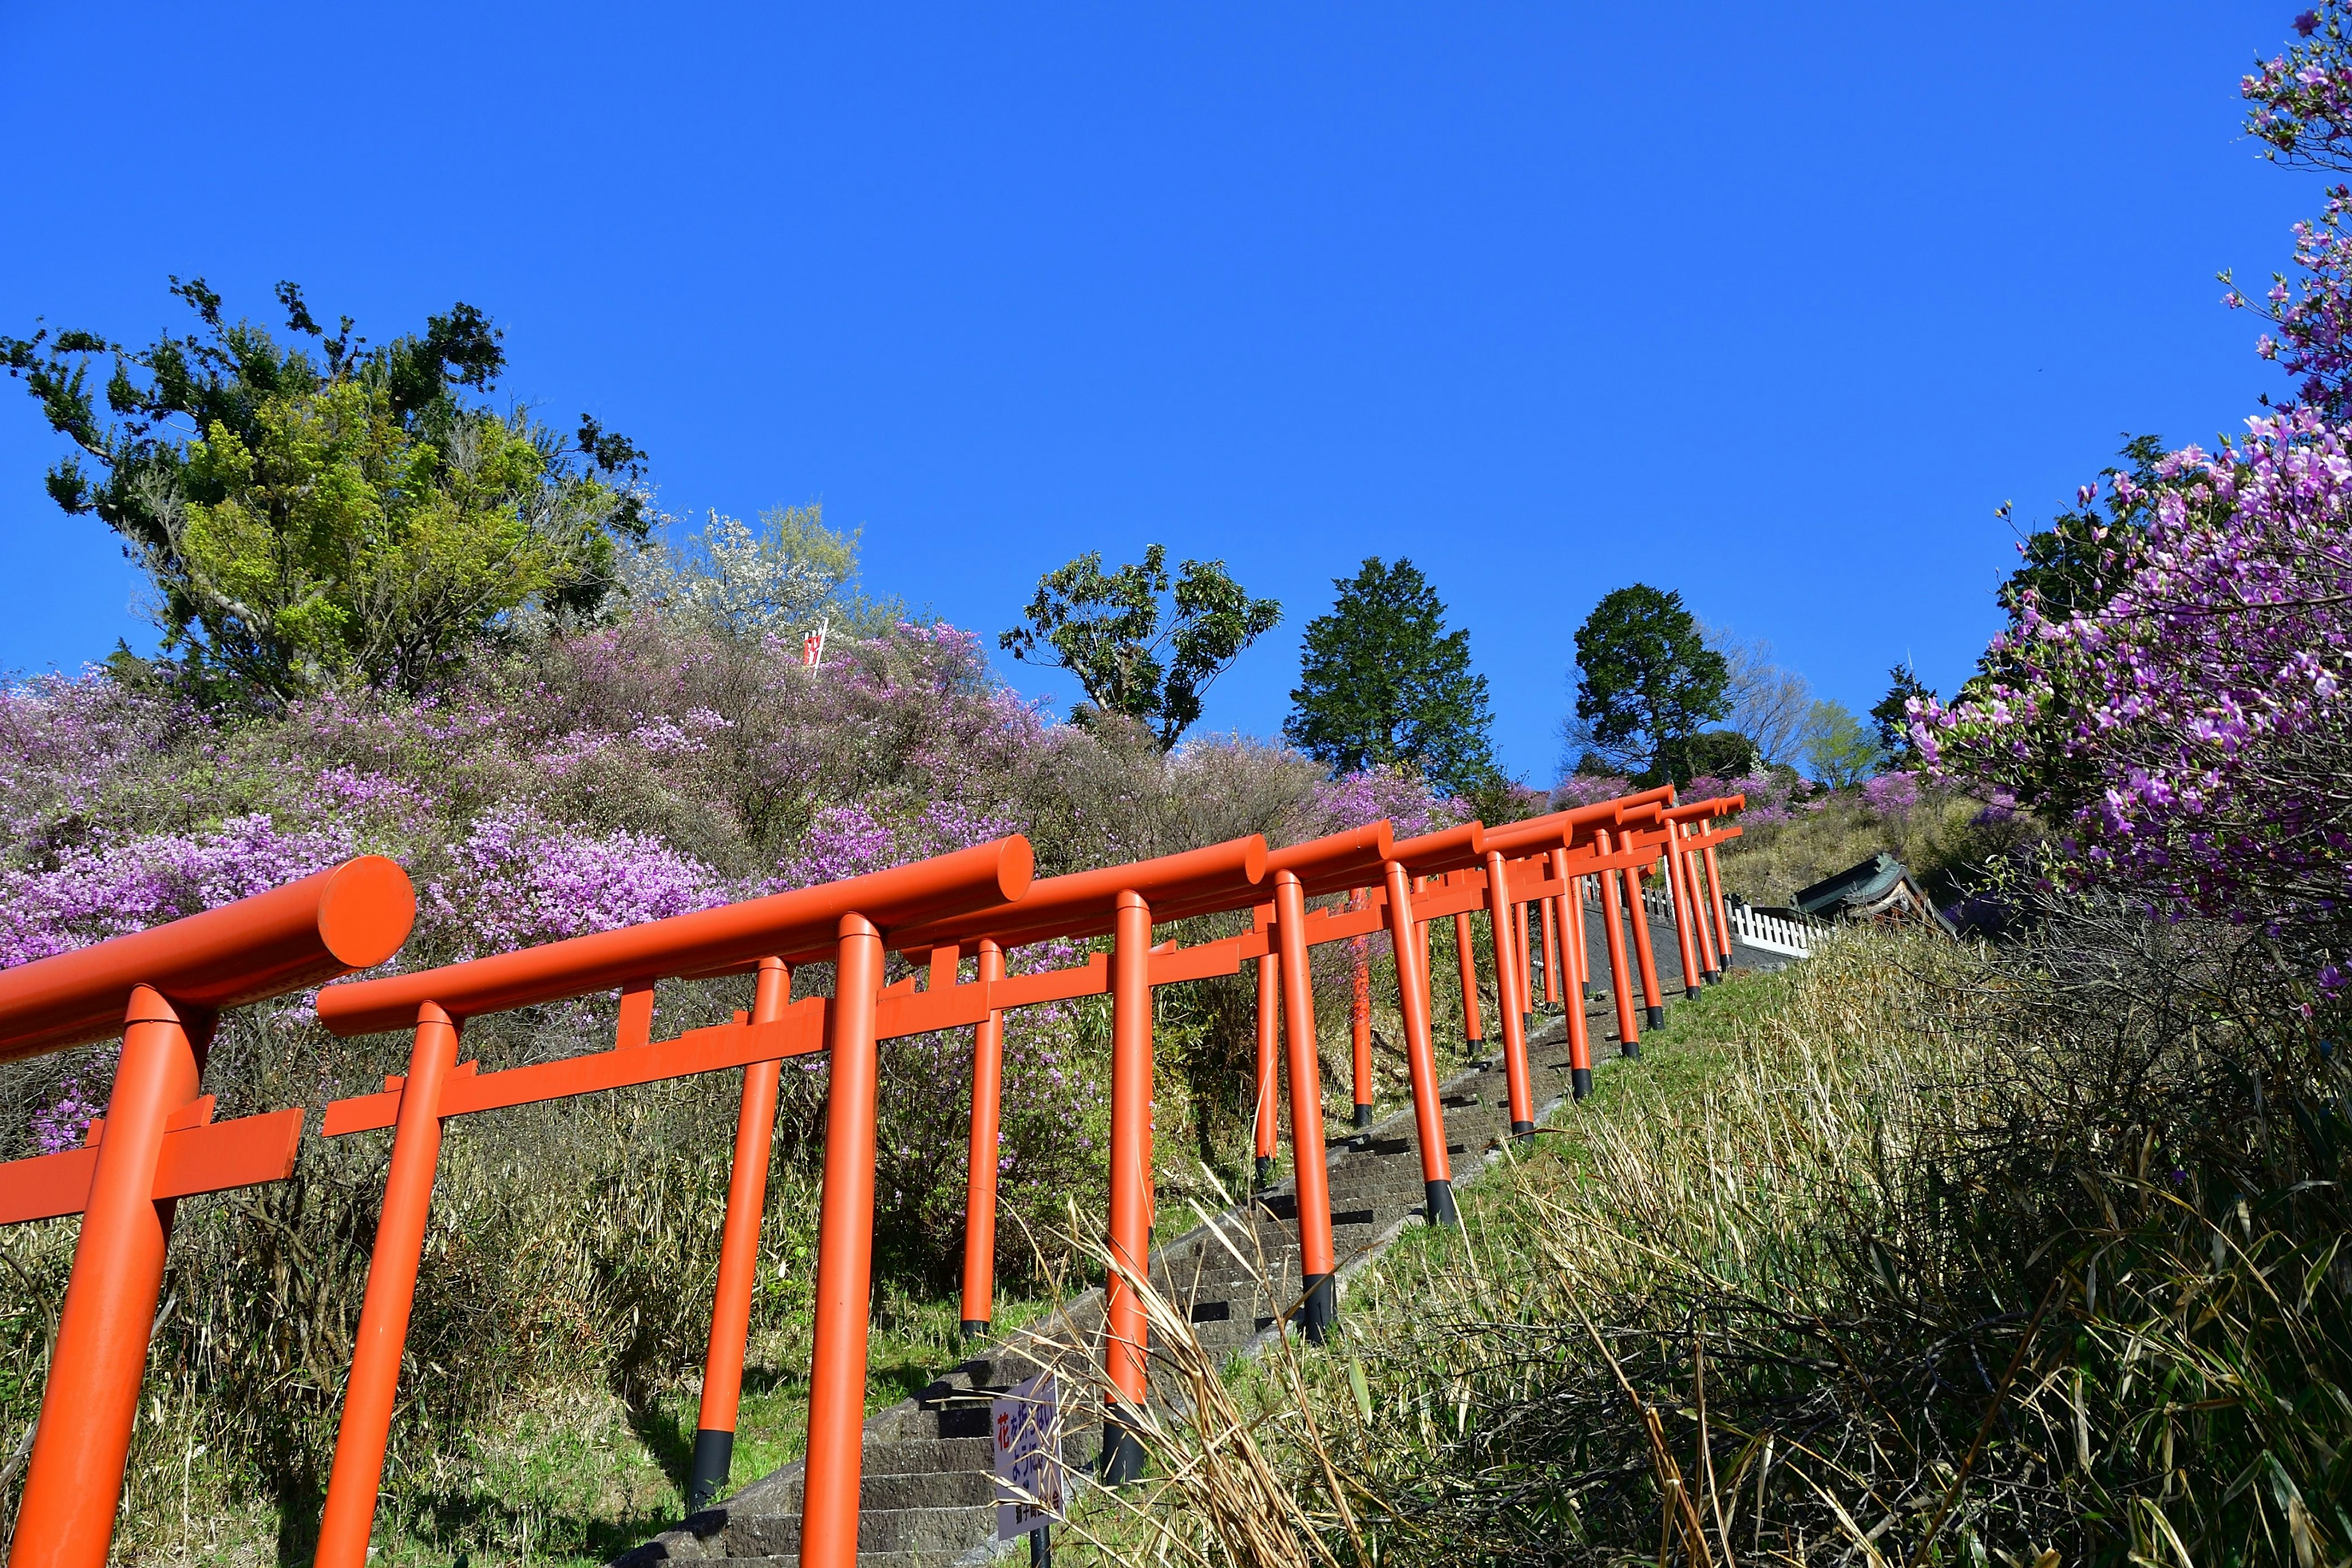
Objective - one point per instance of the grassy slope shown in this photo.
(1678, 1064)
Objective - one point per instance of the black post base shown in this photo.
(1588, 992)
(1630, 1049)
(1041, 1547)
(1363, 1116)
(1580, 1082)
(1319, 1309)
(1442, 1210)
(1658, 1017)
(1122, 1452)
(1691, 992)
(714, 1453)
(1522, 1129)
(974, 1329)
(1264, 1172)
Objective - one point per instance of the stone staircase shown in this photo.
(926, 1499)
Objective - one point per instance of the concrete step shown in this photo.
(926, 1530)
(935, 1486)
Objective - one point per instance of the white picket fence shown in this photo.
(1769, 933)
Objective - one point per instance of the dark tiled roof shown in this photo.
(1857, 887)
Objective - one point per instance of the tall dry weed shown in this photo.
(1939, 1255)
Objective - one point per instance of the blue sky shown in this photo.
(1770, 305)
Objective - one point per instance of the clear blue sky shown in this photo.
(1773, 305)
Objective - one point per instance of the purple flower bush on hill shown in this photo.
(514, 881)
(2194, 733)
(90, 894)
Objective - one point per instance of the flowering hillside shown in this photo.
(572, 784)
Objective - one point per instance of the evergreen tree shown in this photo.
(1894, 719)
(1142, 646)
(1383, 682)
(315, 510)
(1649, 683)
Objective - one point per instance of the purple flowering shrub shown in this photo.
(89, 895)
(1406, 799)
(2192, 734)
(1588, 789)
(514, 881)
(1895, 795)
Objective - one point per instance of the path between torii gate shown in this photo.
(927, 1495)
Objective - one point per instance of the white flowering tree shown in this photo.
(731, 577)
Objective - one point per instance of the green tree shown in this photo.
(1842, 752)
(1648, 683)
(1892, 716)
(1715, 754)
(1382, 681)
(328, 510)
(1138, 648)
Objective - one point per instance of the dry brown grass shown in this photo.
(1935, 1255)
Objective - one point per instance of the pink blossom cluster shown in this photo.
(2302, 106)
(516, 880)
(850, 840)
(1894, 795)
(1405, 798)
(91, 894)
(2195, 731)
(1588, 789)
(2303, 99)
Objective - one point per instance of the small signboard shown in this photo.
(812, 646)
(1026, 1423)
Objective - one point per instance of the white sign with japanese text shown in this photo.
(1027, 1426)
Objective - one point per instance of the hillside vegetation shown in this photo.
(1916, 1252)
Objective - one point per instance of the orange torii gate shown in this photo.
(852, 922)
(161, 990)
(1394, 905)
(1124, 901)
(1695, 845)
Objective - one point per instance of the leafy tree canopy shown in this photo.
(1892, 716)
(1712, 753)
(328, 510)
(1138, 648)
(1842, 753)
(1383, 682)
(1648, 683)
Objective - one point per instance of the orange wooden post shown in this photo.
(1621, 985)
(1550, 951)
(1580, 1041)
(1359, 1022)
(1427, 965)
(1526, 1000)
(980, 1158)
(1312, 1182)
(739, 1247)
(1695, 895)
(1687, 948)
(365, 1427)
(83, 1440)
(1473, 1029)
(845, 1298)
(1500, 913)
(1421, 1060)
(802, 925)
(1722, 915)
(1269, 1023)
(161, 990)
(1125, 1328)
(1651, 997)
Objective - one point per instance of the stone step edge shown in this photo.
(1550, 1032)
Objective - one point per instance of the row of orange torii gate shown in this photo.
(163, 991)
